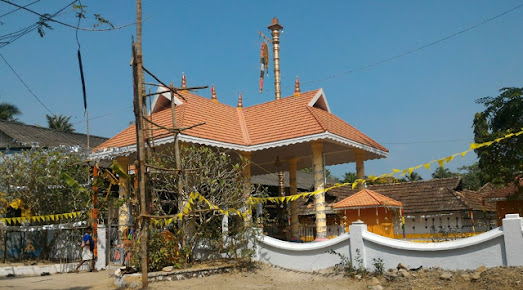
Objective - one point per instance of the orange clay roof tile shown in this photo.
(277, 120)
(366, 198)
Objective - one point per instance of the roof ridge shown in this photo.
(302, 94)
(414, 182)
(459, 197)
(371, 193)
(243, 126)
(316, 118)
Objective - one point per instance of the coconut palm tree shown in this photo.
(8, 112)
(60, 123)
(414, 176)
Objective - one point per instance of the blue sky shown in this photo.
(420, 106)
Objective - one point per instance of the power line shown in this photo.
(22, 81)
(13, 36)
(365, 67)
(417, 49)
(50, 18)
(14, 10)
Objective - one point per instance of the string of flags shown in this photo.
(193, 197)
(285, 199)
(251, 201)
(41, 218)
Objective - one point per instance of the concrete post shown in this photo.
(247, 184)
(357, 249)
(360, 167)
(101, 244)
(512, 234)
(319, 199)
(293, 162)
(225, 228)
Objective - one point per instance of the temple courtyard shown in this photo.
(263, 276)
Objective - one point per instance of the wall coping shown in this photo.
(290, 246)
(443, 246)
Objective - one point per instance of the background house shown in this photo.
(432, 208)
(508, 199)
(15, 136)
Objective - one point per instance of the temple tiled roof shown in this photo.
(274, 121)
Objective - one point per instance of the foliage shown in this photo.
(378, 265)
(345, 264)
(471, 176)
(502, 161)
(441, 172)
(217, 176)
(162, 248)
(60, 123)
(328, 174)
(35, 176)
(414, 176)
(8, 112)
(349, 177)
(44, 20)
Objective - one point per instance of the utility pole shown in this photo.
(138, 81)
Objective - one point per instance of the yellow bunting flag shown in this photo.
(427, 165)
(440, 162)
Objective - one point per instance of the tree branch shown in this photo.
(66, 24)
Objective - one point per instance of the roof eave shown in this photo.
(115, 151)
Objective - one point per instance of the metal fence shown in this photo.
(59, 243)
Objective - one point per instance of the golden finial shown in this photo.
(297, 87)
(240, 101)
(184, 81)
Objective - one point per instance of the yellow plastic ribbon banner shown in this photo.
(40, 218)
(281, 199)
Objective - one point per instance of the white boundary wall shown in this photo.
(499, 247)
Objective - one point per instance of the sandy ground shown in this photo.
(264, 276)
(81, 281)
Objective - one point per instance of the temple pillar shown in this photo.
(319, 184)
(247, 184)
(360, 167)
(293, 163)
(124, 212)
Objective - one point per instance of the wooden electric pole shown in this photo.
(138, 84)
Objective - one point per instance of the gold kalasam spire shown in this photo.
(214, 98)
(297, 87)
(184, 81)
(240, 101)
(275, 28)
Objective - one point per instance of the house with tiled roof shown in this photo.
(431, 207)
(300, 130)
(377, 211)
(16, 136)
(508, 199)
